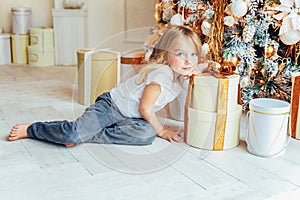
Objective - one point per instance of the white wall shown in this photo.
(107, 20)
(41, 12)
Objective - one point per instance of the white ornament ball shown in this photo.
(229, 21)
(244, 81)
(205, 27)
(176, 20)
(205, 49)
(239, 8)
(290, 38)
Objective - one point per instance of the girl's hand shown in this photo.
(170, 135)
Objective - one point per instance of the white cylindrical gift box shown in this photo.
(40, 57)
(267, 127)
(207, 86)
(41, 37)
(5, 50)
(19, 45)
(21, 19)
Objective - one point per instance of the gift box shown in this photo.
(21, 20)
(295, 106)
(42, 38)
(212, 118)
(5, 50)
(98, 72)
(131, 63)
(19, 48)
(206, 91)
(70, 34)
(267, 127)
(41, 49)
(202, 131)
(40, 57)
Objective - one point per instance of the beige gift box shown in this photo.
(19, 48)
(205, 93)
(202, 129)
(41, 50)
(42, 38)
(40, 57)
(98, 72)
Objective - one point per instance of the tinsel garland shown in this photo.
(216, 40)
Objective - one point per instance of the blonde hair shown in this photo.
(158, 56)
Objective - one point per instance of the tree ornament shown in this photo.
(249, 32)
(245, 81)
(239, 8)
(205, 49)
(177, 19)
(229, 21)
(168, 11)
(206, 27)
(270, 51)
(289, 32)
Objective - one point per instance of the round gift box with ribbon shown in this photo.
(267, 127)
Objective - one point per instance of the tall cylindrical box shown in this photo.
(21, 20)
(19, 48)
(5, 52)
(98, 72)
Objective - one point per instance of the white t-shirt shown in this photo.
(128, 94)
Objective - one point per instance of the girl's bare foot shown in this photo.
(70, 145)
(18, 131)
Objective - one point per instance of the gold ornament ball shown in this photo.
(263, 71)
(270, 50)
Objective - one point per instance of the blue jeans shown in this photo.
(101, 123)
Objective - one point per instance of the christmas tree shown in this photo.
(258, 39)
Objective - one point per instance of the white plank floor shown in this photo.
(32, 169)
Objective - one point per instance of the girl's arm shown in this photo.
(150, 95)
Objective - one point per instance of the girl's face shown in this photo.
(182, 56)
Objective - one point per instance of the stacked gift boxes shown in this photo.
(41, 48)
(212, 112)
(21, 18)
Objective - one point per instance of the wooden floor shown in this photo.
(37, 170)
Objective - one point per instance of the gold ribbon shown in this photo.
(132, 61)
(221, 114)
(295, 104)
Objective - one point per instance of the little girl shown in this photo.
(126, 114)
